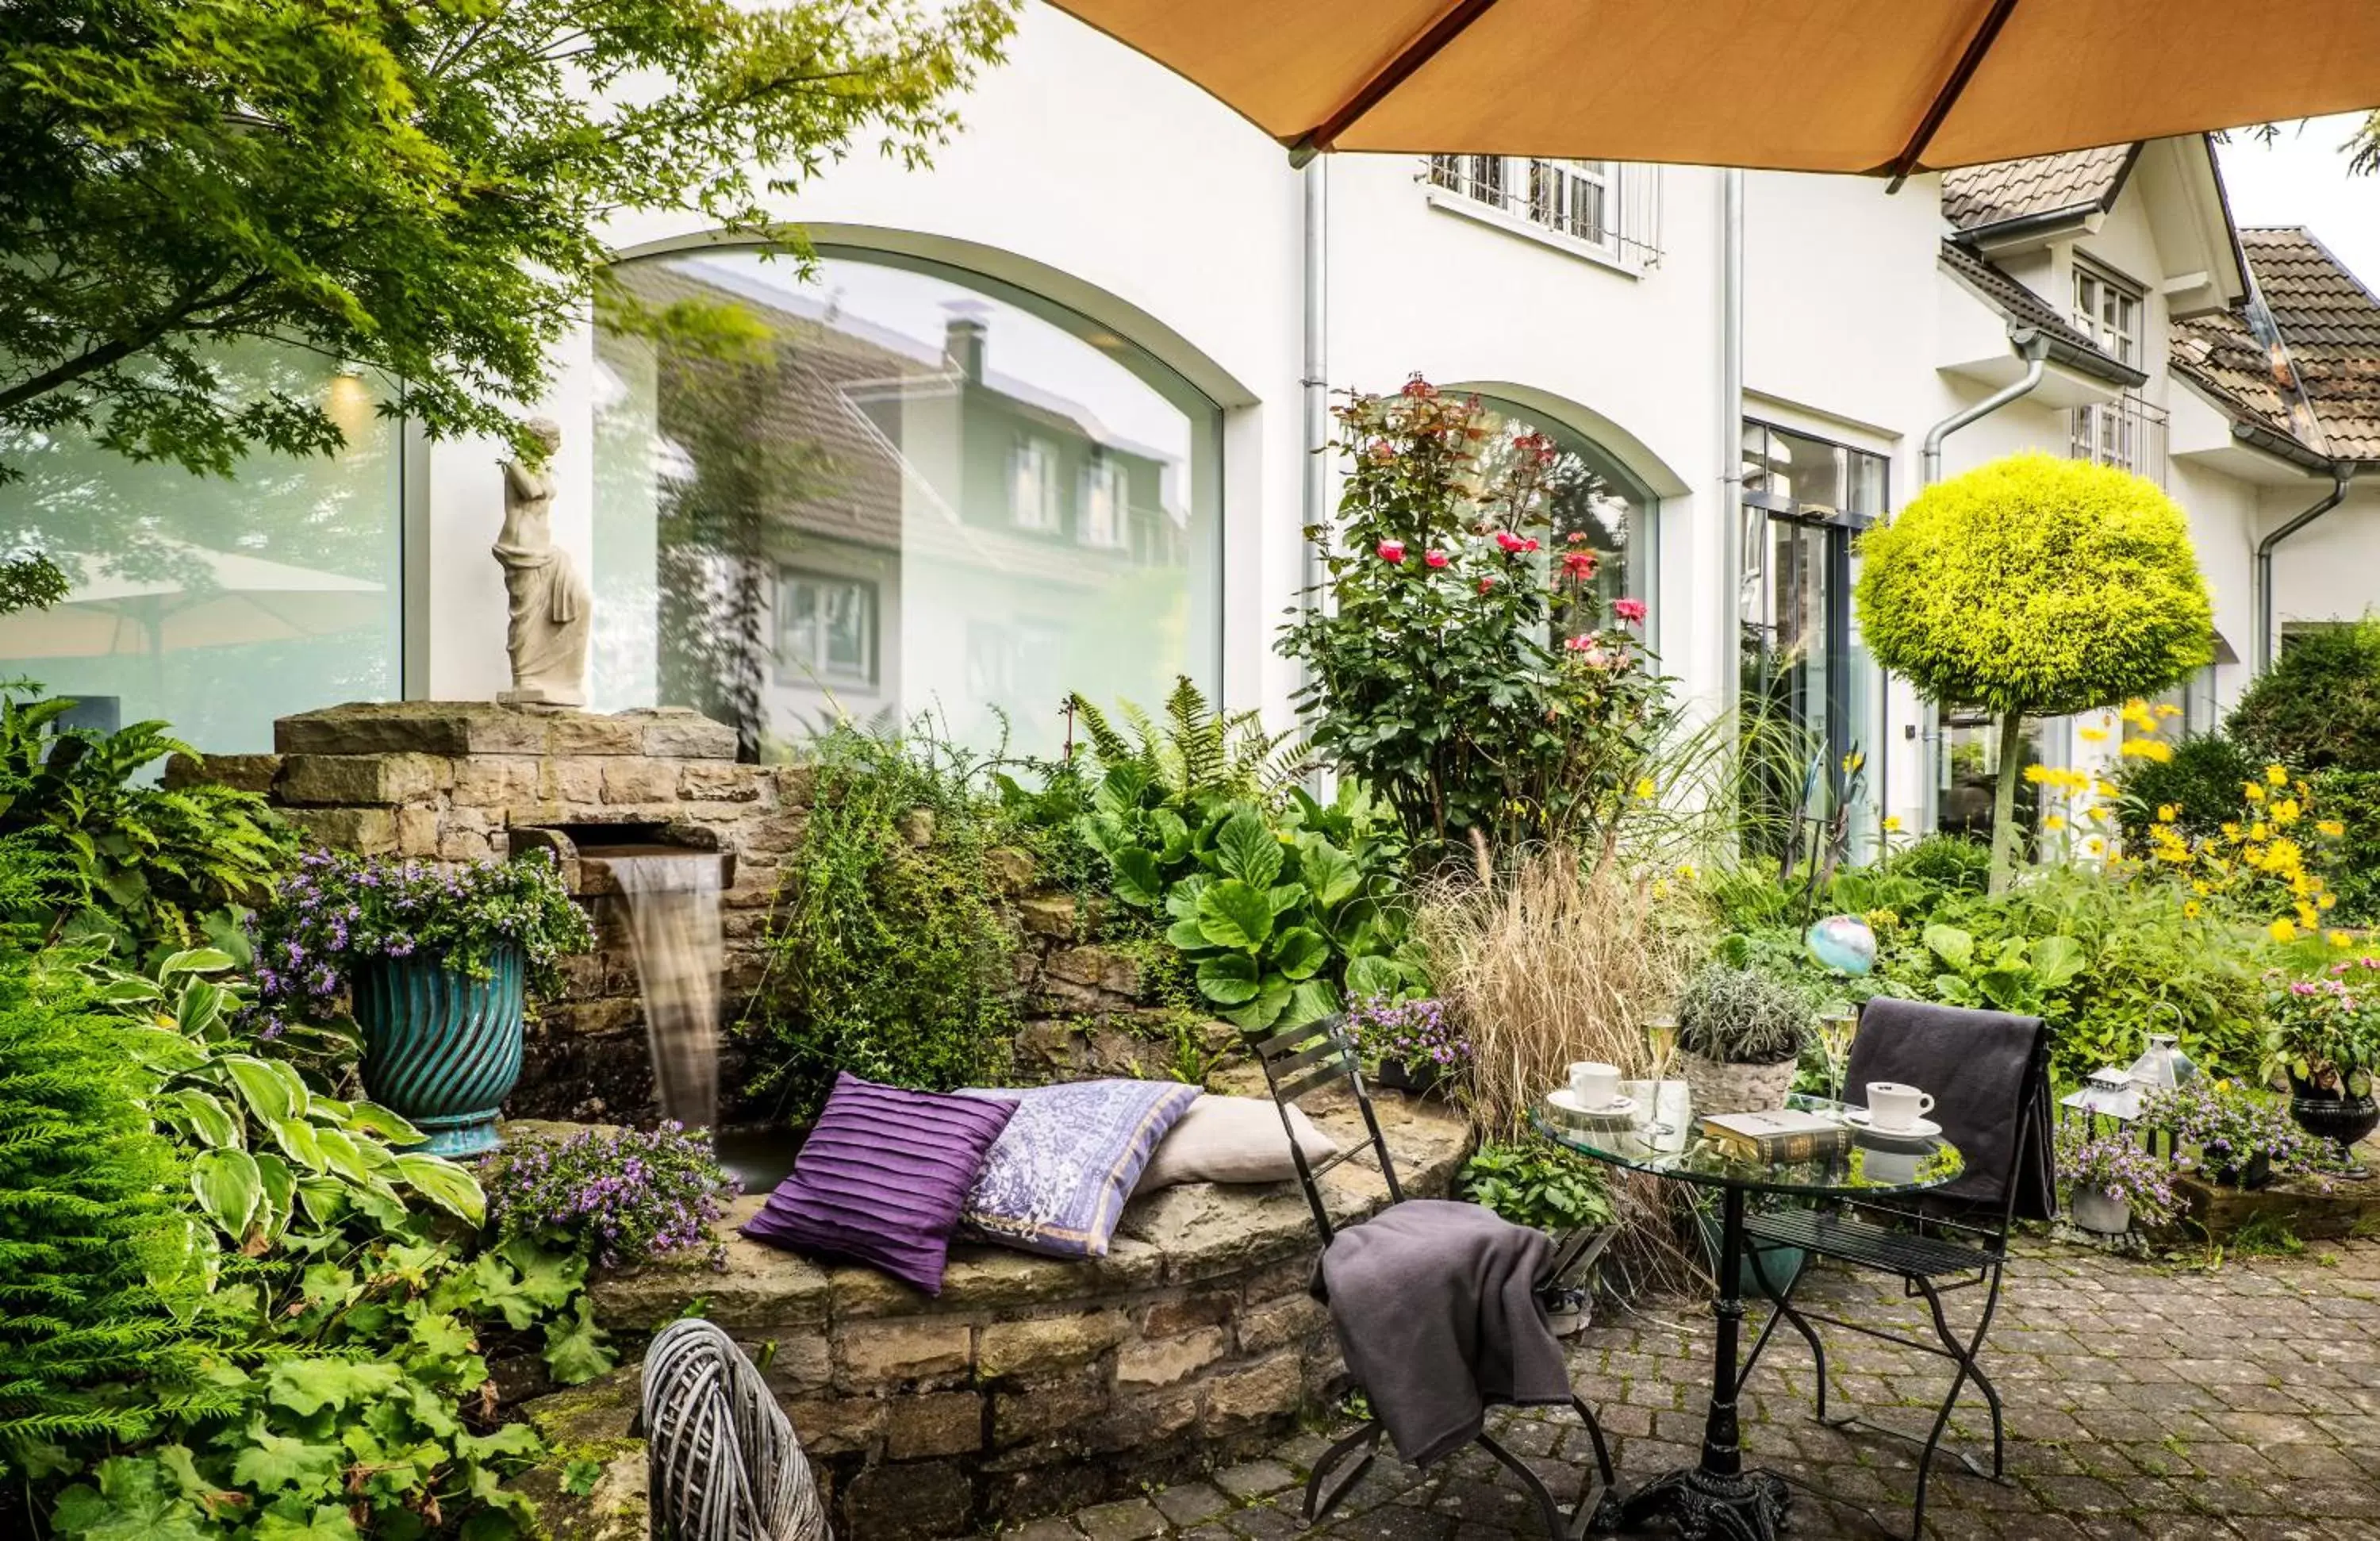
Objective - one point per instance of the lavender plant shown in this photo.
(2230, 1126)
(338, 910)
(619, 1198)
(2121, 1169)
(1408, 1032)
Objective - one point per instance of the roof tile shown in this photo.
(1974, 197)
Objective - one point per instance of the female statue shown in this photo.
(547, 634)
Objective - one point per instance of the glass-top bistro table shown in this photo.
(1718, 1497)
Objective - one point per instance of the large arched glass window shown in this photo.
(217, 603)
(1592, 493)
(892, 487)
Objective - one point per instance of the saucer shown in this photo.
(1923, 1129)
(1566, 1100)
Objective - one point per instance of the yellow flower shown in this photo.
(1660, 888)
(2255, 793)
(2091, 735)
(2258, 831)
(2167, 709)
(2168, 813)
(1853, 761)
(2200, 888)
(2230, 832)
(2054, 822)
(2306, 916)
(2340, 939)
(2327, 902)
(2286, 811)
(2095, 845)
(1891, 822)
(2283, 930)
(2331, 828)
(2156, 749)
(2136, 713)
(1644, 787)
(2191, 909)
(1686, 870)
(2276, 775)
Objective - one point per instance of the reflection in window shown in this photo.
(215, 604)
(916, 491)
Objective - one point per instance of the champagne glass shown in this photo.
(1661, 1048)
(1838, 1025)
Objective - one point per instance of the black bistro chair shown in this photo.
(1308, 1060)
(1989, 1073)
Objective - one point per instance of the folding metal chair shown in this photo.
(1306, 1061)
(1936, 1246)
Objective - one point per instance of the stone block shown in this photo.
(1269, 1387)
(417, 832)
(778, 833)
(240, 773)
(935, 1422)
(466, 844)
(760, 1292)
(1011, 869)
(365, 780)
(675, 734)
(577, 783)
(1163, 1361)
(720, 782)
(1167, 1317)
(1283, 1323)
(906, 1501)
(1206, 1230)
(368, 831)
(1047, 1410)
(582, 734)
(879, 1355)
(1046, 1342)
(426, 727)
(798, 1364)
(1048, 914)
(495, 781)
(639, 781)
(836, 1425)
(1139, 1420)
(797, 786)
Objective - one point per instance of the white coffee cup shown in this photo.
(1595, 1084)
(1891, 1105)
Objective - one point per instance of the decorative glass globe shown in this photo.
(1842, 942)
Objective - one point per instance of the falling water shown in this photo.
(673, 939)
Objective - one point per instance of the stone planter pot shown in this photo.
(2332, 1116)
(1719, 1088)
(441, 1048)
(2096, 1211)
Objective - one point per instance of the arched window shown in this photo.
(892, 487)
(1593, 493)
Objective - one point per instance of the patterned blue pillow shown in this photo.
(1056, 1180)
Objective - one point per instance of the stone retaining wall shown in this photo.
(1031, 1385)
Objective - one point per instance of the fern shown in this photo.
(1197, 753)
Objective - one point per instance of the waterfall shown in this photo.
(675, 940)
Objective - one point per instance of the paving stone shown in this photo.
(1130, 1520)
(1188, 1503)
(1255, 1480)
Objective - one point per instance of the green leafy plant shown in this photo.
(2200, 782)
(890, 953)
(133, 866)
(2317, 708)
(2036, 585)
(1536, 1184)
(2324, 1026)
(2351, 863)
(1460, 660)
(2011, 973)
(1198, 754)
(1743, 1017)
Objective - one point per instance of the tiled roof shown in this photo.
(1973, 196)
(2329, 324)
(2024, 308)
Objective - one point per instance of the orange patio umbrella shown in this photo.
(1887, 87)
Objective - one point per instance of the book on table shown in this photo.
(1780, 1135)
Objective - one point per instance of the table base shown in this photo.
(1704, 1506)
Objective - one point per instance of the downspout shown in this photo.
(1731, 443)
(1313, 383)
(2034, 348)
(2342, 473)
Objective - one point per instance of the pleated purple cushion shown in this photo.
(883, 1178)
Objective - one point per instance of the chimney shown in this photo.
(963, 339)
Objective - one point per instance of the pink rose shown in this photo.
(1392, 551)
(1530, 544)
(1508, 540)
(1486, 584)
(1580, 643)
(1579, 564)
(1628, 610)
(1434, 558)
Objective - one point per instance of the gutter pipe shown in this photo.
(1730, 441)
(2342, 473)
(1314, 381)
(2034, 348)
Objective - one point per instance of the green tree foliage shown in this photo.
(2200, 784)
(2318, 707)
(2034, 584)
(418, 189)
(96, 1275)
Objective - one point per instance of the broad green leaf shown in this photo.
(308, 1385)
(443, 1182)
(1285, 897)
(1231, 914)
(370, 1118)
(195, 960)
(1228, 978)
(1246, 848)
(200, 1008)
(2057, 960)
(1181, 901)
(1136, 879)
(1327, 872)
(1299, 952)
(322, 1198)
(1186, 937)
(167, 1053)
(280, 1193)
(276, 1462)
(1952, 945)
(1172, 835)
(574, 1349)
(324, 1522)
(229, 1188)
(297, 1137)
(203, 1113)
(548, 1277)
(132, 1503)
(1272, 999)
(1311, 1001)
(1373, 976)
(339, 1150)
(124, 990)
(522, 1439)
(271, 1089)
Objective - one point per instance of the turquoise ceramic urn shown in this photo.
(441, 1048)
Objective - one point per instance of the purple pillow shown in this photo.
(881, 1179)
(1058, 1178)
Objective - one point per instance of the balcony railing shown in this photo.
(1611, 209)
(2128, 434)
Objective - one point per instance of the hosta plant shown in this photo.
(2010, 973)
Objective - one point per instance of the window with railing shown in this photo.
(1610, 209)
(2128, 434)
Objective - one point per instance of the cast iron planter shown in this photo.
(2332, 1116)
(441, 1048)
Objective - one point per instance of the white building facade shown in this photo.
(1041, 422)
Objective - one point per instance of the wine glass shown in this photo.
(1661, 1048)
(1838, 1025)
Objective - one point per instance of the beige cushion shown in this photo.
(1232, 1139)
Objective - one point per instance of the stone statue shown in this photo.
(547, 634)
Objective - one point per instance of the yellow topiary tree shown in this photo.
(2034, 586)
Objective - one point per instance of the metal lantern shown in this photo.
(2105, 1093)
(2164, 1067)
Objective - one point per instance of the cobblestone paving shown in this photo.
(2237, 1402)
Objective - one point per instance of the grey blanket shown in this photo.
(1437, 1312)
(1976, 1063)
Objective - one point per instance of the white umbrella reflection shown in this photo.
(197, 598)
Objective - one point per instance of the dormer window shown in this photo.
(2107, 309)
